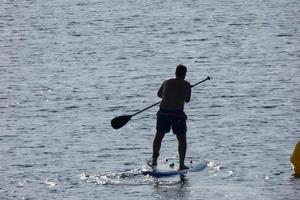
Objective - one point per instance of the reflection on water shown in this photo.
(164, 189)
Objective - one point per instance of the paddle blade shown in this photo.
(120, 121)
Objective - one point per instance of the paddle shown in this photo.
(120, 121)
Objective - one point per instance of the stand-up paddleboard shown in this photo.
(166, 168)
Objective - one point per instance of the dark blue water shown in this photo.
(68, 67)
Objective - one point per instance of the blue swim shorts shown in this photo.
(167, 119)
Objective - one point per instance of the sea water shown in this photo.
(68, 67)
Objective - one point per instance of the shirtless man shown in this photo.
(174, 93)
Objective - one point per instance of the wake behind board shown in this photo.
(165, 169)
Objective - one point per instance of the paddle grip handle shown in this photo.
(208, 78)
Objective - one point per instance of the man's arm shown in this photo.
(189, 92)
(160, 91)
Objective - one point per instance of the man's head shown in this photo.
(180, 71)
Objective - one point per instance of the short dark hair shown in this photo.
(180, 70)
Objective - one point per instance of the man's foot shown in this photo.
(152, 163)
(183, 167)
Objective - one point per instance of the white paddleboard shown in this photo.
(166, 168)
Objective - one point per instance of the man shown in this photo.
(174, 93)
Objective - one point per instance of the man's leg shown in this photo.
(182, 150)
(156, 147)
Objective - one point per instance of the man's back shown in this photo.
(174, 92)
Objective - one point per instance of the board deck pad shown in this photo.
(167, 168)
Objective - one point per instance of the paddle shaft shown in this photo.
(208, 78)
